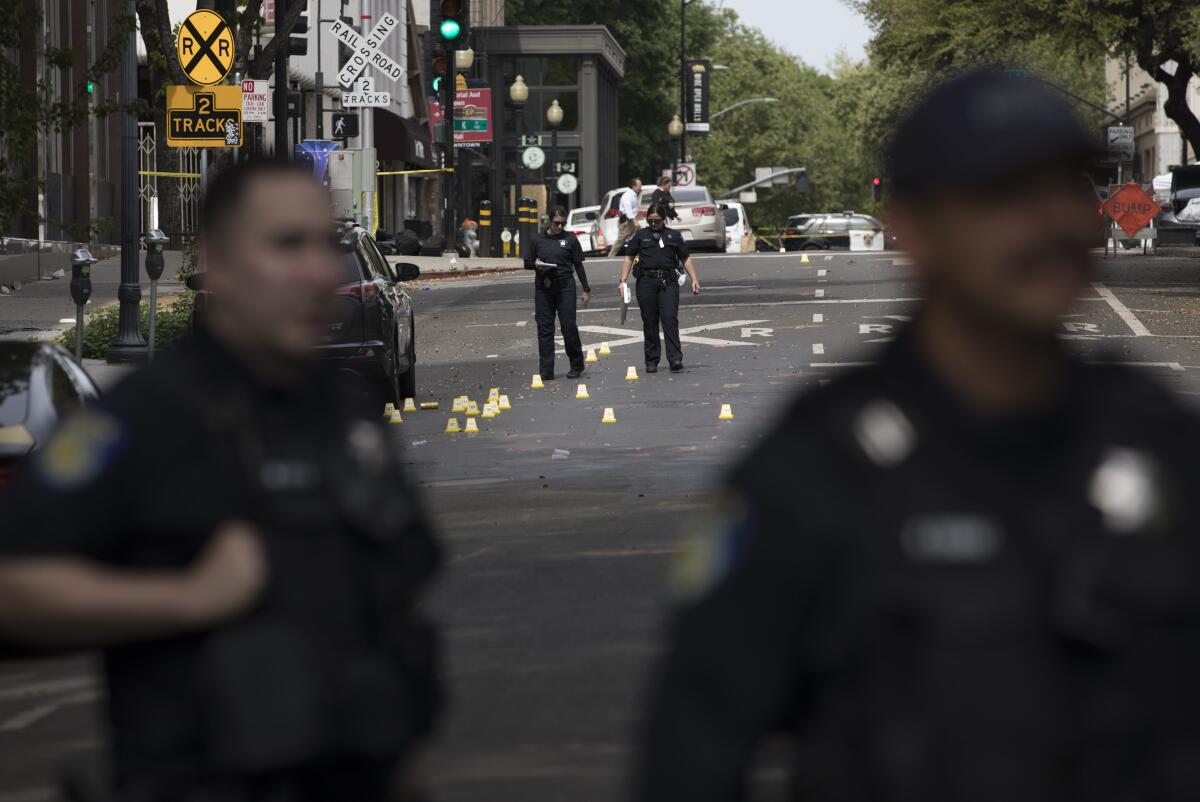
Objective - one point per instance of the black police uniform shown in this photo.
(556, 260)
(318, 692)
(658, 255)
(944, 608)
(666, 199)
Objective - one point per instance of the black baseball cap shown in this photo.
(982, 129)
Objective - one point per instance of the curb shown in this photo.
(472, 271)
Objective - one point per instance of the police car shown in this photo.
(847, 231)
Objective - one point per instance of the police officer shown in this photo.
(658, 252)
(961, 573)
(556, 256)
(235, 532)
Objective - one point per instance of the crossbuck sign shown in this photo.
(366, 50)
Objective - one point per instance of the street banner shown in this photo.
(698, 71)
(472, 117)
(204, 117)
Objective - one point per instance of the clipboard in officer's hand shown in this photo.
(625, 299)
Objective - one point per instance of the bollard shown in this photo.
(527, 228)
(155, 242)
(81, 289)
(485, 228)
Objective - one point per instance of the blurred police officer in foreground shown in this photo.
(557, 256)
(659, 252)
(236, 537)
(969, 572)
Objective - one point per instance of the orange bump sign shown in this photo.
(205, 47)
(1131, 208)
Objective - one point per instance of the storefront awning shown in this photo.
(398, 139)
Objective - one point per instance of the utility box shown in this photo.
(343, 183)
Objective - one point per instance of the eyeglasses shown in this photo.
(558, 222)
(654, 220)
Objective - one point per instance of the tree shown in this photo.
(28, 111)
(1063, 40)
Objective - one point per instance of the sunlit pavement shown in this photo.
(559, 528)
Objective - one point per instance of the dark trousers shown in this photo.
(558, 298)
(659, 301)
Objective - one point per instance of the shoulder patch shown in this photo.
(80, 449)
(712, 548)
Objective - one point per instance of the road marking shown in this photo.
(818, 349)
(827, 258)
(751, 331)
(1135, 325)
(1078, 327)
(822, 272)
(66, 320)
(818, 318)
(840, 364)
(493, 356)
(494, 325)
(874, 328)
(820, 293)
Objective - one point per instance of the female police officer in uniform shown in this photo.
(659, 251)
(555, 254)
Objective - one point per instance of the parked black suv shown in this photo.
(373, 333)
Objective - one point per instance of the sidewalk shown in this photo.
(449, 266)
(40, 309)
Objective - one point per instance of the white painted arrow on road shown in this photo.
(688, 335)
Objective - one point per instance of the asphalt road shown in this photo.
(559, 528)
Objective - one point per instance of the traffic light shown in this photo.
(298, 41)
(452, 21)
(91, 87)
(877, 188)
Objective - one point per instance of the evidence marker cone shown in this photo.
(804, 258)
(460, 405)
(452, 426)
(472, 409)
(604, 349)
(581, 391)
(388, 409)
(410, 405)
(504, 404)
(609, 417)
(395, 417)
(472, 426)
(493, 393)
(591, 356)
(429, 405)
(536, 384)
(489, 412)
(726, 412)
(631, 374)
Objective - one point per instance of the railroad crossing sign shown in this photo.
(204, 117)
(205, 47)
(1131, 207)
(366, 50)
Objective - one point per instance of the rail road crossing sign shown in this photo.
(205, 47)
(366, 50)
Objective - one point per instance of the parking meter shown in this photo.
(81, 289)
(155, 242)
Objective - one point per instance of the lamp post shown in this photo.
(518, 93)
(675, 130)
(554, 118)
(463, 61)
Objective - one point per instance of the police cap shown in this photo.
(983, 129)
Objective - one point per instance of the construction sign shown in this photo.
(1131, 207)
(205, 47)
(208, 117)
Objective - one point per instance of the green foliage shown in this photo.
(50, 104)
(100, 327)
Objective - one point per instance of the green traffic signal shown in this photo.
(450, 29)
(437, 83)
(91, 87)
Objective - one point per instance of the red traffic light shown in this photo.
(876, 181)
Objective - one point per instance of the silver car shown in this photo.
(700, 221)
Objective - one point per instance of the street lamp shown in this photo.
(554, 118)
(675, 130)
(518, 93)
(463, 59)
